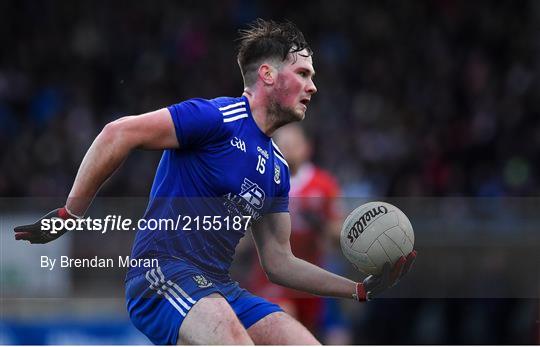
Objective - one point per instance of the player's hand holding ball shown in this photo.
(378, 239)
(37, 233)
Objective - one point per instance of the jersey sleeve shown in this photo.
(197, 123)
(280, 203)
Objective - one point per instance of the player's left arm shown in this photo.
(271, 235)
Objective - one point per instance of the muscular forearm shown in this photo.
(104, 156)
(299, 274)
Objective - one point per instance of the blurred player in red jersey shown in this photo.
(316, 222)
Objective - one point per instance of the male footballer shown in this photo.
(218, 161)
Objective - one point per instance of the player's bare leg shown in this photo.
(212, 321)
(279, 328)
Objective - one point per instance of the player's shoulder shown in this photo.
(231, 109)
(210, 119)
(228, 102)
(198, 107)
(219, 104)
(224, 108)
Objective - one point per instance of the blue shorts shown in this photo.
(159, 300)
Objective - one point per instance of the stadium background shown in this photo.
(424, 99)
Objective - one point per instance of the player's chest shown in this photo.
(240, 163)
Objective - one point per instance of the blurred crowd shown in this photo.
(416, 98)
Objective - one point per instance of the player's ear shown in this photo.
(267, 74)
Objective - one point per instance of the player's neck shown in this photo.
(259, 110)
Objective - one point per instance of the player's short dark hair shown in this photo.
(267, 40)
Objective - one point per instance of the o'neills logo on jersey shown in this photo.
(277, 174)
(361, 224)
(252, 193)
(263, 152)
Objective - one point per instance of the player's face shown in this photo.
(294, 85)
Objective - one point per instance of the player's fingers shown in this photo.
(377, 282)
(23, 235)
(369, 282)
(397, 270)
(398, 267)
(411, 257)
(23, 228)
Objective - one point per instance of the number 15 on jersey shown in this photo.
(261, 164)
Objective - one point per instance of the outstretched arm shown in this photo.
(271, 236)
(153, 130)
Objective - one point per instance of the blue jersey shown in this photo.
(226, 167)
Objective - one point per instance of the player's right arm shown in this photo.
(153, 131)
